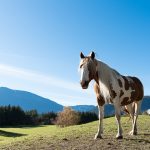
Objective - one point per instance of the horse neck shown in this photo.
(104, 73)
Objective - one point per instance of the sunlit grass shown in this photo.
(33, 137)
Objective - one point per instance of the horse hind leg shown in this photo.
(136, 110)
(130, 110)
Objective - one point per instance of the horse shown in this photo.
(113, 88)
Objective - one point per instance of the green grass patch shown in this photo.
(43, 137)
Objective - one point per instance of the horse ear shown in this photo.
(81, 55)
(92, 55)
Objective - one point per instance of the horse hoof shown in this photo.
(97, 137)
(132, 133)
(119, 137)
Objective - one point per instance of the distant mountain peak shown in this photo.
(28, 100)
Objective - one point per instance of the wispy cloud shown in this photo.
(65, 91)
(37, 77)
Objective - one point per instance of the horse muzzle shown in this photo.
(84, 84)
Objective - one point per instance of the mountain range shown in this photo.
(28, 101)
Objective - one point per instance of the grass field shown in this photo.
(76, 137)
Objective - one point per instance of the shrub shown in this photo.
(67, 117)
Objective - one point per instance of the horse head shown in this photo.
(88, 65)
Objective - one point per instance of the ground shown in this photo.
(80, 137)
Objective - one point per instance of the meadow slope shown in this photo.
(76, 137)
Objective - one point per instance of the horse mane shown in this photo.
(107, 75)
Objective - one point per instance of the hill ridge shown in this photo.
(28, 100)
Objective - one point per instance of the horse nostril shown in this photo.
(84, 83)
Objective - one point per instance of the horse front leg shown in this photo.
(118, 118)
(100, 127)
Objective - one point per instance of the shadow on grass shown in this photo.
(138, 140)
(145, 134)
(10, 134)
(141, 140)
(23, 126)
(29, 126)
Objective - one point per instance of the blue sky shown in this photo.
(40, 42)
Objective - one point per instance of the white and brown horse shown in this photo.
(111, 87)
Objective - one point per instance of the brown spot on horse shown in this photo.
(120, 83)
(125, 101)
(138, 92)
(121, 93)
(112, 92)
(100, 99)
(126, 83)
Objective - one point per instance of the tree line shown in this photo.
(15, 116)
